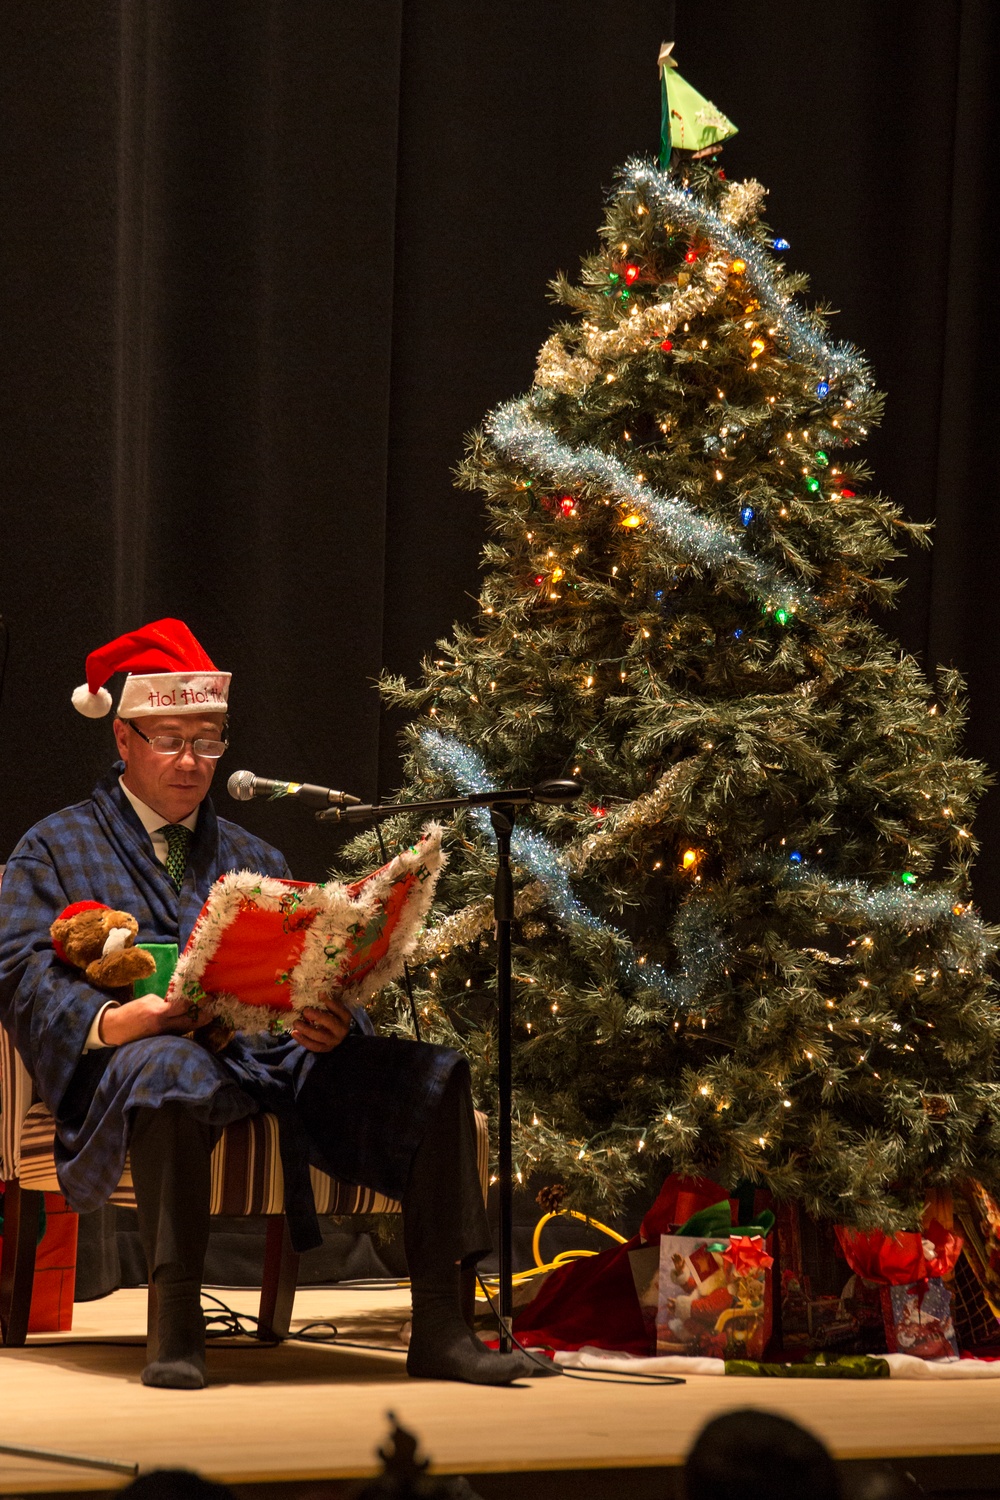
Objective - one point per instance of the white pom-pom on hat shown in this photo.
(91, 705)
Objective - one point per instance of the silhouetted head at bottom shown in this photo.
(756, 1455)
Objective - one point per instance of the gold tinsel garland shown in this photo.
(464, 926)
(561, 369)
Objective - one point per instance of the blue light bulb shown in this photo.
(795, 857)
(823, 389)
(747, 514)
(738, 634)
(782, 245)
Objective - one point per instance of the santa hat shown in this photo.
(169, 673)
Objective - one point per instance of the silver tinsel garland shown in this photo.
(840, 365)
(700, 947)
(534, 446)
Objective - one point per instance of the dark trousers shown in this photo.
(444, 1218)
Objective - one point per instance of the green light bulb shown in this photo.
(822, 459)
(812, 483)
(908, 877)
(781, 615)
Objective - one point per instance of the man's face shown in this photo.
(172, 785)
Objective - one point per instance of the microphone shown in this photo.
(244, 785)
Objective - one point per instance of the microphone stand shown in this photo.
(502, 806)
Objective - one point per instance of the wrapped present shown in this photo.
(909, 1268)
(815, 1323)
(978, 1215)
(714, 1294)
(55, 1269)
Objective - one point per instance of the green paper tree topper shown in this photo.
(689, 121)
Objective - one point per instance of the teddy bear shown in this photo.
(90, 936)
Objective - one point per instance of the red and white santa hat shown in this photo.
(169, 672)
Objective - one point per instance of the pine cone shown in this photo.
(550, 1199)
(935, 1105)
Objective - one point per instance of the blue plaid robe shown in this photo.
(380, 1090)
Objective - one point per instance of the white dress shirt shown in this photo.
(152, 822)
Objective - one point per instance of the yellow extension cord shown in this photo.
(564, 1256)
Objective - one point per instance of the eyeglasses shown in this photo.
(173, 744)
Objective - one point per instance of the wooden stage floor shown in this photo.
(299, 1414)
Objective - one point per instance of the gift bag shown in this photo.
(909, 1268)
(714, 1294)
(918, 1319)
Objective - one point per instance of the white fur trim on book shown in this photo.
(328, 941)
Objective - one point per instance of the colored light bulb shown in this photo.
(821, 458)
(781, 615)
(691, 256)
(848, 494)
(557, 573)
(782, 245)
(739, 266)
(690, 858)
(812, 483)
(666, 346)
(539, 580)
(738, 634)
(757, 347)
(795, 857)
(747, 514)
(908, 877)
(631, 521)
(613, 276)
(567, 505)
(823, 389)
(631, 274)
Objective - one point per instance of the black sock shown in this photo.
(180, 1351)
(444, 1347)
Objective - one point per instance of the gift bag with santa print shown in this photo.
(715, 1295)
(909, 1268)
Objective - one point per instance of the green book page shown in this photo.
(166, 956)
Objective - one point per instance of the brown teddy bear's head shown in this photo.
(82, 932)
(99, 940)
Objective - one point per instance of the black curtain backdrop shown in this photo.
(264, 262)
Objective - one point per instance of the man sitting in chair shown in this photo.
(118, 1077)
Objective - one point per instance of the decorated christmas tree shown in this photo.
(750, 951)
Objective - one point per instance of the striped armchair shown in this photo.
(246, 1179)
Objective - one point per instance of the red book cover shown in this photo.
(262, 949)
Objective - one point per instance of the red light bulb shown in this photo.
(666, 346)
(567, 505)
(631, 274)
(691, 256)
(848, 494)
(539, 580)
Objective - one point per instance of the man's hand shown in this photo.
(322, 1027)
(149, 1015)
